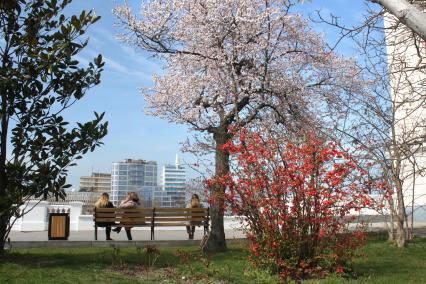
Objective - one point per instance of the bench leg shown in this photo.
(152, 233)
(206, 228)
(96, 233)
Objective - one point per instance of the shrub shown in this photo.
(295, 200)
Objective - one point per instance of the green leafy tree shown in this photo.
(39, 79)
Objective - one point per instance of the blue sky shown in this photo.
(132, 134)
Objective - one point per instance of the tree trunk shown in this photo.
(4, 216)
(391, 229)
(407, 14)
(411, 235)
(216, 241)
(400, 230)
(3, 229)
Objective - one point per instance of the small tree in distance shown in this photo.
(39, 79)
(296, 201)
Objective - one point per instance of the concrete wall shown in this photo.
(37, 218)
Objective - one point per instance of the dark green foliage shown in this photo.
(39, 79)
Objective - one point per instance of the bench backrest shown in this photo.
(123, 215)
(153, 216)
(178, 216)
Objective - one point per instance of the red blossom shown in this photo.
(296, 195)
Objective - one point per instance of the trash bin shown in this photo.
(59, 226)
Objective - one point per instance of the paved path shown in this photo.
(140, 237)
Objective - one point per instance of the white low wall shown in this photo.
(85, 223)
(37, 219)
(75, 213)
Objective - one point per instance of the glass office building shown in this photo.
(169, 198)
(132, 175)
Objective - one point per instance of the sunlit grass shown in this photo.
(381, 263)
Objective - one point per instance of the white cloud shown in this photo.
(141, 59)
(119, 57)
(115, 66)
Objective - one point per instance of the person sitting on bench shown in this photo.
(131, 201)
(190, 228)
(103, 202)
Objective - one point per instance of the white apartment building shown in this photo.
(408, 92)
(173, 177)
(97, 182)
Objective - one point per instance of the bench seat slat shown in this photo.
(117, 210)
(127, 214)
(180, 214)
(177, 219)
(123, 216)
(157, 210)
(122, 219)
(103, 215)
(123, 213)
(170, 224)
(133, 225)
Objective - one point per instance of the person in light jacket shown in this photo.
(131, 201)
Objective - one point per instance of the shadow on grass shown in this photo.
(76, 258)
(71, 261)
(127, 264)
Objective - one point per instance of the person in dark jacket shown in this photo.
(190, 228)
(103, 202)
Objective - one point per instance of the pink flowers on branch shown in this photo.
(296, 200)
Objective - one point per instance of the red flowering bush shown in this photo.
(296, 200)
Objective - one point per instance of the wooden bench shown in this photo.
(151, 217)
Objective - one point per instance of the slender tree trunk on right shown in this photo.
(410, 237)
(400, 229)
(391, 224)
(392, 228)
(397, 162)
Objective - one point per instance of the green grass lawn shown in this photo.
(382, 263)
